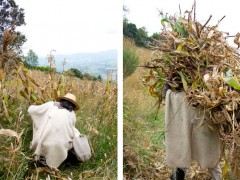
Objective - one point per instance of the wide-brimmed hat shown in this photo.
(71, 98)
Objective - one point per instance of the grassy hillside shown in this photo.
(143, 127)
(97, 118)
(144, 149)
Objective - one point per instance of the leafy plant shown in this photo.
(130, 59)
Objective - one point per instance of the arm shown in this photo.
(166, 87)
(39, 109)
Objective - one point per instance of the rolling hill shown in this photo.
(101, 63)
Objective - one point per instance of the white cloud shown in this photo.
(144, 12)
(71, 26)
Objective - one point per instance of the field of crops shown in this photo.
(97, 118)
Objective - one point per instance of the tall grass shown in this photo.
(143, 128)
(97, 118)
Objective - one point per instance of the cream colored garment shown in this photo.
(53, 130)
(185, 139)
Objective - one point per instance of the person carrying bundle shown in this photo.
(189, 136)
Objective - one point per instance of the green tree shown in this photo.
(155, 35)
(130, 30)
(142, 37)
(75, 72)
(31, 58)
(99, 78)
(12, 16)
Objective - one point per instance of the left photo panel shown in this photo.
(58, 81)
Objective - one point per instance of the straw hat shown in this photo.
(71, 98)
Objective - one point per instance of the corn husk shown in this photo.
(202, 63)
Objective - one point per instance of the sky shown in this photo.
(144, 13)
(73, 26)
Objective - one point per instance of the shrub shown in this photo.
(130, 59)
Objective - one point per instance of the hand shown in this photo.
(166, 87)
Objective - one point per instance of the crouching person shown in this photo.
(54, 129)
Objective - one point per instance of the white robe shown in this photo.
(188, 134)
(53, 132)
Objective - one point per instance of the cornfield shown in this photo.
(97, 118)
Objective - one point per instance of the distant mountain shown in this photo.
(100, 63)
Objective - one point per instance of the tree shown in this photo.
(129, 30)
(155, 35)
(31, 58)
(99, 78)
(10, 17)
(142, 37)
(75, 72)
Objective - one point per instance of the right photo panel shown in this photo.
(181, 90)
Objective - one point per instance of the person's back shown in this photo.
(188, 136)
(53, 130)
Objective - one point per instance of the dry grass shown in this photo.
(144, 150)
(97, 118)
(143, 129)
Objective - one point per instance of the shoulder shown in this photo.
(41, 108)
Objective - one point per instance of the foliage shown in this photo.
(99, 78)
(97, 118)
(88, 76)
(129, 29)
(130, 59)
(31, 58)
(143, 154)
(10, 17)
(46, 69)
(75, 72)
(197, 59)
(140, 35)
(43, 68)
(155, 35)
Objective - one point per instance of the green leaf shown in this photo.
(152, 90)
(179, 28)
(180, 46)
(163, 21)
(232, 82)
(225, 169)
(185, 86)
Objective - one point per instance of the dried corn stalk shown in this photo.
(202, 63)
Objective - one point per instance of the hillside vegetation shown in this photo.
(143, 127)
(97, 118)
(144, 148)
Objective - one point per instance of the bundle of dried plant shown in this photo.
(197, 59)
